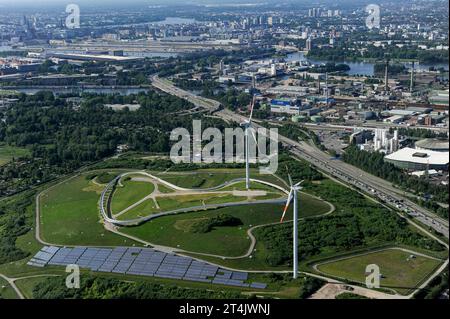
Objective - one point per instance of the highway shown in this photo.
(372, 125)
(361, 180)
(169, 88)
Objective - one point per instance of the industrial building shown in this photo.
(414, 159)
(433, 144)
(93, 57)
(284, 105)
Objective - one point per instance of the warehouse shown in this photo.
(433, 144)
(414, 159)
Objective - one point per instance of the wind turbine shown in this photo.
(247, 124)
(293, 196)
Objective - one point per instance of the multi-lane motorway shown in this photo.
(372, 125)
(365, 182)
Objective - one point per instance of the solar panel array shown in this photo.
(143, 262)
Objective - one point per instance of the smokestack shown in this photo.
(411, 85)
(386, 76)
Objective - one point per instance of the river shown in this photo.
(359, 67)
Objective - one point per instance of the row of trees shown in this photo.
(109, 288)
(418, 133)
(14, 223)
(346, 52)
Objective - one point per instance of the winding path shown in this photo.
(107, 191)
(192, 209)
(12, 282)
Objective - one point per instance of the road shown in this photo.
(372, 125)
(365, 182)
(166, 86)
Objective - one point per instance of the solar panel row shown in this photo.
(141, 261)
(258, 285)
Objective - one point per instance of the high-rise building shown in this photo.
(308, 44)
(273, 69)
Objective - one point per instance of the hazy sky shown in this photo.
(130, 3)
(122, 2)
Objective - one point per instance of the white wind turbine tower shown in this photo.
(247, 127)
(293, 196)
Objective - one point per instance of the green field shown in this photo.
(7, 153)
(206, 178)
(398, 271)
(6, 291)
(129, 193)
(70, 215)
(167, 203)
(173, 230)
(26, 285)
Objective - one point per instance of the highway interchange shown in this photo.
(361, 180)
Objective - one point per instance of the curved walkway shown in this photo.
(107, 216)
(197, 208)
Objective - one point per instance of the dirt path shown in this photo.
(331, 290)
(12, 282)
(13, 285)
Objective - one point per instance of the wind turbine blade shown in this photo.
(289, 176)
(287, 206)
(252, 130)
(299, 183)
(251, 109)
(290, 179)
